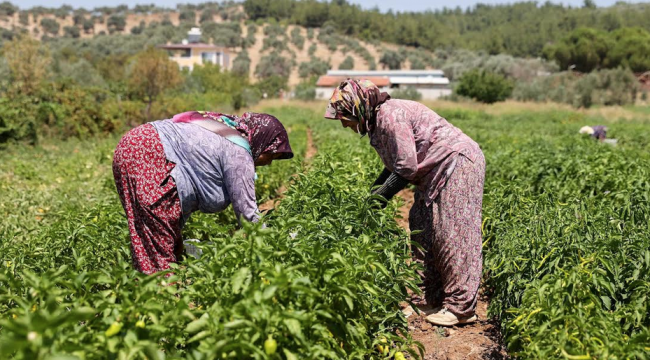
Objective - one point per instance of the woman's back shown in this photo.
(210, 170)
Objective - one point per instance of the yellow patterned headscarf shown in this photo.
(356, 100)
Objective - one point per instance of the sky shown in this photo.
(384, 5)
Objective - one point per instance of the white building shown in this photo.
(432, 84)
(192, 52)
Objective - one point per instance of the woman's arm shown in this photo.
(398, 145)
(381, 179)
(239, 180)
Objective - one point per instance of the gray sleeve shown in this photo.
(239, 181)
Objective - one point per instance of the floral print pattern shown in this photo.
(150, 199)
(451, 238)
(449, 169)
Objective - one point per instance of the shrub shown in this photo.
(406, 94)
(310, 33)
(78, 18)
(187, 16)
(242, 64)
(139, 29)
(584, 48)
(250, 35)
(208, 15)
(153, 73)
(272, 85)
(416, 63)
(251, 96)
(484, 86)
(274, 43)
(312, 49)
(71, 32)
(274, 64)
(50, 26)
(631, 48)
(116, 23)
(297, 39)
(27, 62)
(314, 67)
(82, 73)
(347, 64)
(7, 8)
(274, 30)
(23, 17)
(225, 34)
(605, 87)
(63, 11)
(305, 91)
(392, 60)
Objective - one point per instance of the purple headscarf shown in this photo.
(266, 135)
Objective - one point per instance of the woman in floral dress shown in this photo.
(165, 170)
(419, 147)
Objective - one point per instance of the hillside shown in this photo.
(317, 46)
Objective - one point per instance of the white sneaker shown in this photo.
(444, 317)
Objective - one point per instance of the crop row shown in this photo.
(322, 280)
(566, 236)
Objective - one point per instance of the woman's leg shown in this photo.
(456, 249)
(150, 199)
(420, 218)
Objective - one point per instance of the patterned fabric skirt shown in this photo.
(150, 199)
(451, 238)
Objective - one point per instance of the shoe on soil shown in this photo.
(444, 317)
(424, 310)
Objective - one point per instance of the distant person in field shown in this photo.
(419, 147)
(165, 170)
(598, 132)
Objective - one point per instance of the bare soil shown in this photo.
(480, 340)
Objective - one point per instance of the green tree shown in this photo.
(484, 86)
(116, 23)
(242, 64)
(23, 17)
(89, 26)
(50, 26)
(347, 64)
(584, 49)
(312, 49)
(391, 59)
(631, 48)
(297, 39)
(305, 91)
(153, 73)
(7, 8)
(71, 32)
(274, 64)
(208, 15)
(28, 63)
(272, 85)
(313, 67)
(187, 16)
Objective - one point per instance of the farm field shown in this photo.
(566, 250)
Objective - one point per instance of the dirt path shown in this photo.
(481, 340)
(309, 154)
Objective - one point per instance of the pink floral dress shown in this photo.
(448, 169)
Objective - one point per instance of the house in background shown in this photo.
(431, 84)
(193, 52)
